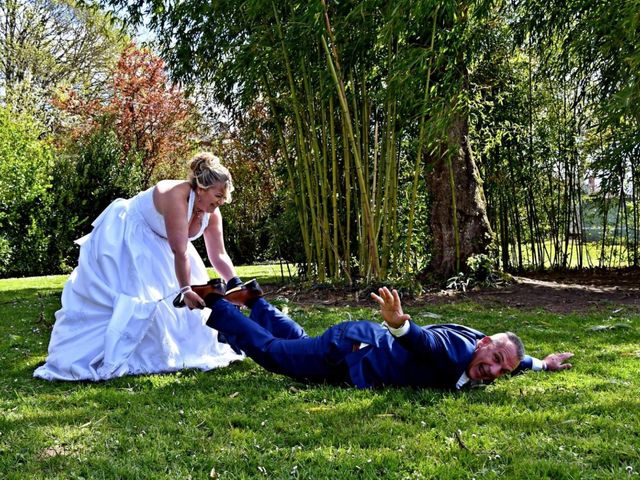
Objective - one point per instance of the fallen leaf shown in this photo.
(603, 328)
(600, 328)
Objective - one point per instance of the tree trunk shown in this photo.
(468, 233)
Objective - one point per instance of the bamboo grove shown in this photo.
(560, 145)
(397, 119)
(345, 170)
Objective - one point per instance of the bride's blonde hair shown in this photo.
(205, 170)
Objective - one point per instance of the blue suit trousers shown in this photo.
(280, 345)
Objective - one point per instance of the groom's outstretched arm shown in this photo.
(552, 363)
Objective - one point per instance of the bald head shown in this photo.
(495, 356)
(510, 337)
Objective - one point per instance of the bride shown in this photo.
(117, 317)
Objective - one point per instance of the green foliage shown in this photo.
(551, 90)
(242, 422)
(45, 45)
(5, 254)
(550, 136)
(24, 170)
(481, 272)
(482, 269)
(284, 236)
(85, 183)
(102, 174)
(25, 179)
(592, 39)
(48, 201)
(250, 151)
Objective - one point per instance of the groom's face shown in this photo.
(494, 356)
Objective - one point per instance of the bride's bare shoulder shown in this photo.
(169, 194)
(172, 186)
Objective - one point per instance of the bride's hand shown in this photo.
(192, 300)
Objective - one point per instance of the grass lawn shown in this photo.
(616, 256)
(242, 422)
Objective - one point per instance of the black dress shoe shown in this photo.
(244, 293)
(210, 292)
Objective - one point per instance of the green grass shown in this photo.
(242, 422)
(616, 256)
(270, 273)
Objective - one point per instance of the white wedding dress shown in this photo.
(117, 316)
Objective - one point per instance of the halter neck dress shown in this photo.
(117, 317)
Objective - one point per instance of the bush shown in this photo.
(285, 239)
(85, 183)
(5, 254)
(250, 152)
(47, 202)
(25, 179)
(481, 272)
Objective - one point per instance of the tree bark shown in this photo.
(468, 233)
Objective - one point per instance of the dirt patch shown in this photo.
(563, 295)
(564, 292)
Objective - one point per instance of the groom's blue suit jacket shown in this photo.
(429, 356)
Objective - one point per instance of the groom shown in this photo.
(366, 354)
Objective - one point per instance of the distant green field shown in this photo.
(587, 256)
(267, 273)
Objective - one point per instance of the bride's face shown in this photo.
(208, 199)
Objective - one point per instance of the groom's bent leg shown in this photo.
(271, 318)
(311, 358)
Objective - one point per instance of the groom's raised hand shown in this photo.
(390, 307)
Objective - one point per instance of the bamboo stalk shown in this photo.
(347, 195)
(517, 222)
(388, 217)
(367, 217)
(301, 147)
(416, 167)
(298, 201)
(634, 202)
(365, 126)
(334, 188)
(324, 189)
(312, 165)
(363, 259)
